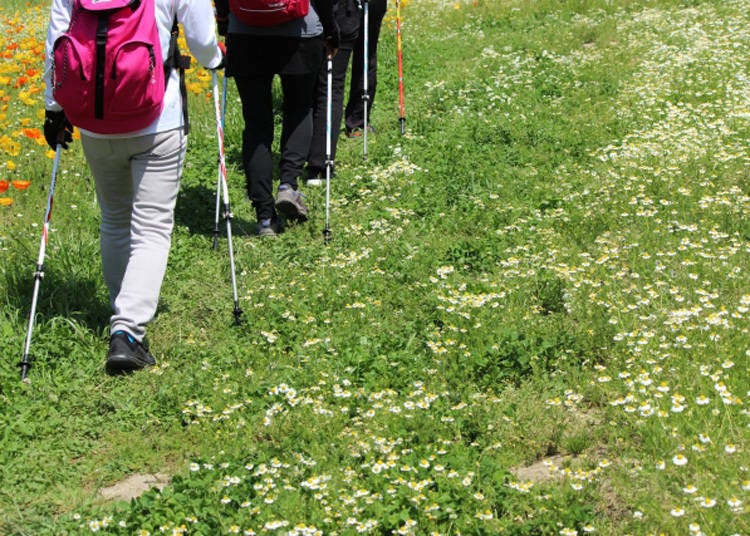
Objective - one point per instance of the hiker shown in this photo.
(354, 115)
(136, 173)
(294, 50)
(347, 15)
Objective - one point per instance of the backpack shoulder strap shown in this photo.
(176, 60)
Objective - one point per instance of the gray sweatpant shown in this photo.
(137, 180)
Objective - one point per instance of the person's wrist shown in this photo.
(54, 116)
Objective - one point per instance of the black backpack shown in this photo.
(347, 14)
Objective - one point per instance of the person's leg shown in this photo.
(296, 135)
(297, 125)
(354, 114)
(156, 172)
(316, 160)
(317, 155)
(257, 139)
(110, 167)
(355, 110)
(340, 65)
(376, 14)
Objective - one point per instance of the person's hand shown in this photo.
(332, 46)
(57, 129)
(223, 50)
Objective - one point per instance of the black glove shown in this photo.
(57, 129)
(332, 45)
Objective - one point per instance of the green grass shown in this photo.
(549, 268)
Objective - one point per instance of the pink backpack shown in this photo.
(108, 72)
(268, 12)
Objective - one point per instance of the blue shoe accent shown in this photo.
(268, 227)
(126, 354)
(131, 339)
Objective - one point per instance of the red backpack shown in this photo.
(108, 72)
(268, 12)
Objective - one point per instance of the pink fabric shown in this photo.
(268, 12)
(130, 91)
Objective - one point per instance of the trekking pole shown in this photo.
(365, 94)
(225, 192)
(399, 55)
(218, 177)
(329, 159)
(25, 364)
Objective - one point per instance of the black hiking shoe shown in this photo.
(126, 355)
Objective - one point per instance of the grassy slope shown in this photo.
(558, 239)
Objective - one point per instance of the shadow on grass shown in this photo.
(72, 309)
(74, 296)
(196, 210)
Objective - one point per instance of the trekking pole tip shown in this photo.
(237, 315)
(326, 236)
(25, 366)
(402, 122)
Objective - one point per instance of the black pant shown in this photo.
(355, 110)
(257, 136)
(317, 159)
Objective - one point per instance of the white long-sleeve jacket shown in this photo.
(197, 20)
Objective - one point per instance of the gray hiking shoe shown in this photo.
(291, 203)
(268, 227)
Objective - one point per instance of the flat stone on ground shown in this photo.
(134, 486)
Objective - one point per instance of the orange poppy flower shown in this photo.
(21, 185)
(4, 186)
(5, 201)
(33, 133)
